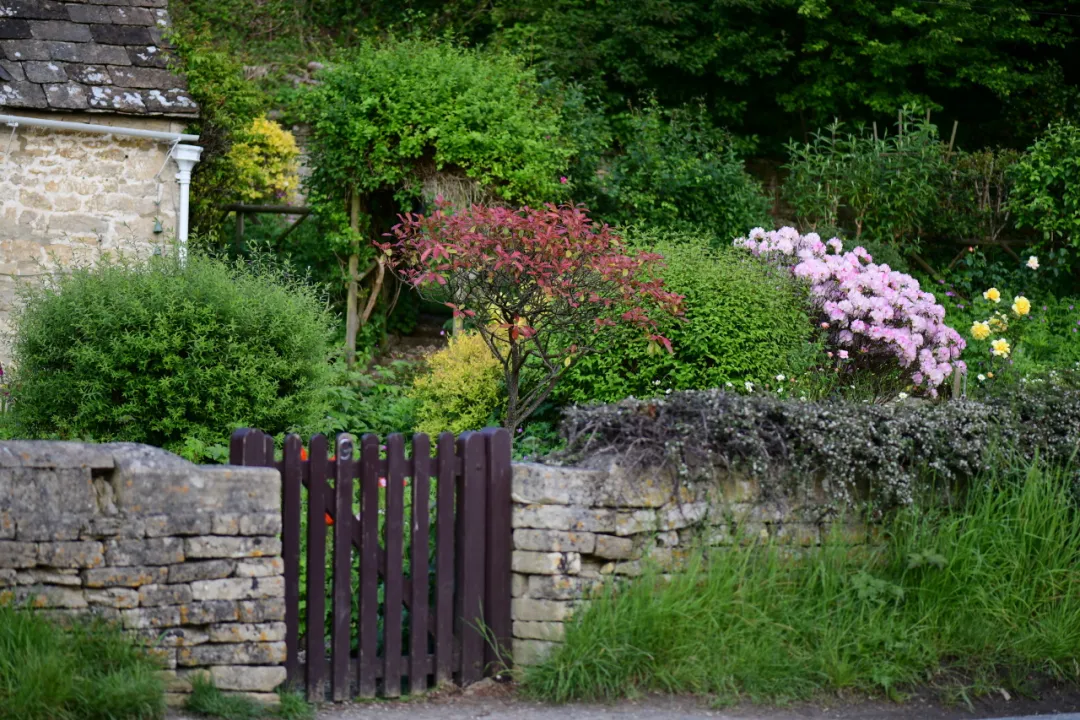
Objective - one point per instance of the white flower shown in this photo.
(728, 385)
(902, 396)
(781, 378)
(1033, 262)
(981, 377)
(655, 382)
(749, 386)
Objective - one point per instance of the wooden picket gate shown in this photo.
(443, 613)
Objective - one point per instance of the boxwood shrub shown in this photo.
(743, 321)
(170, 354)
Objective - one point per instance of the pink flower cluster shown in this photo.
(876, 314)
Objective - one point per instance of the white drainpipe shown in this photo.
(185, 155)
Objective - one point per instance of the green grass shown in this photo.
(206, 699)
(961, 603)
(87, 672)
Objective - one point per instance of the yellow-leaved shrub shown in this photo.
(462, 389)
(264, 162)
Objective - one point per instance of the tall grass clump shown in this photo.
(961, 600)
(85, 672)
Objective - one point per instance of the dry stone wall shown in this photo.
(186, 558)
(575, 529)
(65, 198)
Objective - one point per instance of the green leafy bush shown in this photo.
(462, 389)
(743, 321)
(168, 354)
(1046, 196)
(670, 168)
(89, 672)
(885, 189)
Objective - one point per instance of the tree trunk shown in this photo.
(352, 324)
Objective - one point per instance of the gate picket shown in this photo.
(342, 606)
(291, 474)
(418, 565)
(317, 670)
(395, 537)
(368, 622)
(444, 560)
(470, 556)
(457, 597)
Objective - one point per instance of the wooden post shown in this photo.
(352, 321)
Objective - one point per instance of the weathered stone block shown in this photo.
(189, 524)
(113, 526)
(51, 576)
(531, 652)
(247, 678)
(614, 548)
(635, 521)
(674, 517)
(535, 563)
(212, 612)
(667, 539)
(563, 517)
(17, 555)
(46, 596)
(547, 631)
(75, 554)
(260, 524)
(252, 588)
(533, 609)
(174, 637)
(120, 598)
(248, 632)
(156, 617)
(546, 485)
(561, 587)
(260, 567)
(154, 595)
(151, 551)
(554, 541)
(7, 578)
(124, 576)
(271, 653)
(225, 524)
(254, 611)
(519, 585)
(49, 528)
(214, 546)
(204, 570)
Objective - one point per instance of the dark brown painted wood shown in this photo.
(418, 565)
(472, 533)
(444, 560)
(342, 600)
(394, 543)
(318, 492)
(248, 447)
(291, 480)
(497, 569)
(369, 566)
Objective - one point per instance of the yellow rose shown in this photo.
(1000, 347)
(1021, 305)
(980, 330)
(993, 295)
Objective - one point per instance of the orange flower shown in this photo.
(303, 454)
(329, 520)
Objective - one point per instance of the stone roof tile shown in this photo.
(89, 55)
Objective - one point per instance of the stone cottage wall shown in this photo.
(186, 558)
(67, 197)
(575, 529)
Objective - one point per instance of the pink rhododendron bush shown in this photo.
(876, 318)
